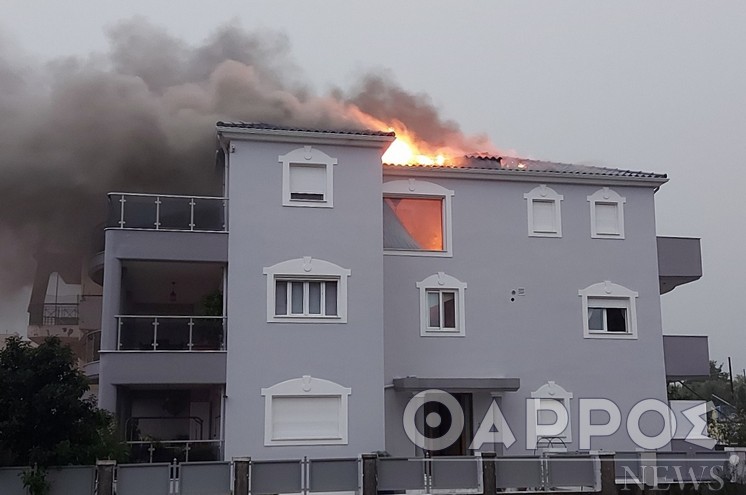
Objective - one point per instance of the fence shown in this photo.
(373, 475)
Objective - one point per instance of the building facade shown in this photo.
(310, 306)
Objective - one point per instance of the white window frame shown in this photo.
(554, 392)
(544, 194)
(606, 196)
(609, 295)
(442, 282)
(306, 387)
(307, 269)
(412, 188)
(308, 156)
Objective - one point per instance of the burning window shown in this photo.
(413, 223)
(416, 218)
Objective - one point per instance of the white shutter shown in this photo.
(307, 179)
(544, 215)
(607, 218)
(306, 418)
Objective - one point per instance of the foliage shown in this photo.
(212, 304)
(44, 418)
(35, 480)
(729, 425)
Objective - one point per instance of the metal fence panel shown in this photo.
(518, 472)
(71, 479)
(143, 479)
(399, 474)
(573, 471)
(10, 481)
(457, 473)
(276, 477)
(205, 478)
(627, 466)
(333, 475)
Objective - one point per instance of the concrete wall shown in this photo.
(263, 232)
(538, 336)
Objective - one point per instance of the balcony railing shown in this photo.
(171, 333)
(181, 450)
(167, 212)
(91, 346)
(54, 314)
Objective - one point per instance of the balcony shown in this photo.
(679, 261)
(167, 212)
(686, 357)
(170, 333)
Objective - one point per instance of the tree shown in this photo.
(44, 419)
(730, 425)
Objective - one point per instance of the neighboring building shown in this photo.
(299, 311)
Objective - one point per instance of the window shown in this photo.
(306, 297)
(548, 410)
(307, 178)
(416, 218)
(544, 217)
(607, 214)
(442, 306)
(305, 411)
(306, 290)
(609, 311)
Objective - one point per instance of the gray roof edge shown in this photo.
(523, 175)
(487, 384)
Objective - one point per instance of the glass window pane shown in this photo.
(433, 303)
(449, 309)
(297, 298)
(281, 298)
(596, 319)
(331, 299)
(616, 319)
(314, 298)
(413, 223)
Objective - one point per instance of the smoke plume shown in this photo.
(141, 118)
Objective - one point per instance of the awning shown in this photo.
(415, 384)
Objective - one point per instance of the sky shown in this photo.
(656, 86)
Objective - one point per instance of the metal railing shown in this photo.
(54, 314)
(181, 450)
(167, 212)
(170, 333)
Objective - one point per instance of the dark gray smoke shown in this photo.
(141, 118)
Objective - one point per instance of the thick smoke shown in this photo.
(141, 118)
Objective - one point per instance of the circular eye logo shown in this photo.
(441, 408)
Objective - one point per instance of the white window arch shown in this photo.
(417, 218)
(547, 404)
(442, 311)
(306, 290)
(609, 311)
(305, 411)
(544, 212)
(307, 178)
(607, 214)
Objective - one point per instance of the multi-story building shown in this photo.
(299, 311)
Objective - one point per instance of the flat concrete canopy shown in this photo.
(413, 383)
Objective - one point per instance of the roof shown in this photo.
(530, 167)
(270, 127)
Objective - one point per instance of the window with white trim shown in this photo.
(442, 306)
(544, 214)
(609, 311)
(607, 214)
(307, 178)
(549, 418)
(305, 411)
(416, 218)
(306, 290)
